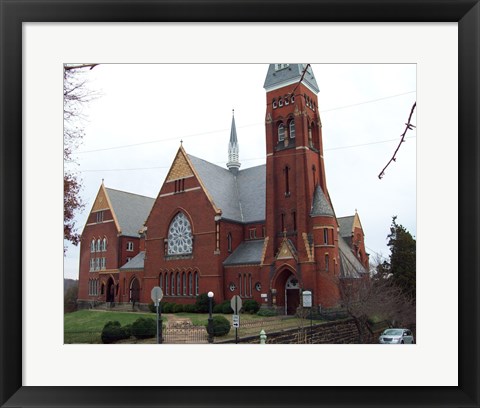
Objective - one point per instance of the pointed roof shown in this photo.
(130, 210)
(350, 266)
(320, 205)
(233, 148)
(137, 262)
(240, 198)
(280, 75)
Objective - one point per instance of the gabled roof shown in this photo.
(131, 210)
(350, 266)
(247, 253)
(292, 73)
(241, 198)
(137, 262)
(320, 205)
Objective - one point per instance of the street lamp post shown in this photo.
(210, 319)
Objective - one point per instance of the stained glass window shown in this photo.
(180, 236)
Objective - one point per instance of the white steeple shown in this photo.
(233, 150)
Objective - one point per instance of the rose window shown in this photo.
(180, 236)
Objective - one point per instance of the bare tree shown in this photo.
(376, 299)
(75, 96)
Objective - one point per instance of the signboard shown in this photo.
(236, 304)
(157, 295)
(263, 295)
(236, 320)
(307, 298)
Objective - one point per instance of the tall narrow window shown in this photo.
(100, 216)
(167, 291)
(291, 128)
(229, 242)
(286, 171)
(197, 288)
(172, 282)
(92, 245)
(327, 261)
(184, 284)
(314, 174)
(179, 289)
(99, 245)
(160, 280)
(190, 284)
(325, 236)
(104, 244)
(281, 132)
(240, 284)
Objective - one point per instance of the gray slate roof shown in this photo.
(320, 205)
(241, 198)
(350, 266)
(247, 253)
(287, 75)
(346, 225)
(131, 210)
(137, 262)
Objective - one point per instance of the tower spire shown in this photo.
(233, 151)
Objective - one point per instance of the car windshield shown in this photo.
(393, 332)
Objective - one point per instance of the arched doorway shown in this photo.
(110, 290)
(134, 291)
(292, 295)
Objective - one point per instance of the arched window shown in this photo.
(167, 288)
(98, 245)
(280, 102)
(92, 245)
(229, 242)
(281, 132)
(274, 104)
(292, 99)
(291, 129)
(179, 288)
(197, 286)
(180, 239)
(172, 281)
(160, 280)
(104, 244)
(286, 100)
(190, 284)
(184, 284)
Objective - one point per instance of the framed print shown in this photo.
(37, 369)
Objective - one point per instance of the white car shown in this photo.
(396, 336)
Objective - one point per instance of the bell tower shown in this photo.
(294, 153)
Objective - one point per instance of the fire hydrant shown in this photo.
(263, 337)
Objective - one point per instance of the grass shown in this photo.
(85, 326)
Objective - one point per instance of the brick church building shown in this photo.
(265, 233)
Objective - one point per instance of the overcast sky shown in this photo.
(134, 129)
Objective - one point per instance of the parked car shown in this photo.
(396, 336)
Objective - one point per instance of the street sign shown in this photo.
(236, 320)
(307, 298)
(157, 295)
(236, 304)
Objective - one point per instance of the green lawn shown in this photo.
(85, 326)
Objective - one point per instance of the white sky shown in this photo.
(134, 130)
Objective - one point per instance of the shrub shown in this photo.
(178, 309)
(226, 307)
(221, 326)
(190, 308)
(267, 312)
(128, 330)
(202, 303)
(167, 307)
(144, 328)
(152, 307)
(112, 332)
(218, 308)
(251, 306)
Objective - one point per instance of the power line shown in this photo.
(225, 130)
(251, 158)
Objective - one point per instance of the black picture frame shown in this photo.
(15, 12)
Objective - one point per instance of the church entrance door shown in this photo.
(292, 295)
(110, 290)
(134, 291)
